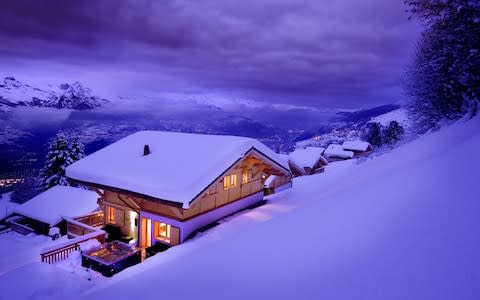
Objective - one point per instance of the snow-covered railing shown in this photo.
(94, 219)
(20, 228)
(77, 228)
(61, 251)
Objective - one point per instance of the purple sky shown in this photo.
(331, 54)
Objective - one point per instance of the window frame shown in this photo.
(226, 183)
(156, 231)
(111, 214)
(247, 175)
(233, 180)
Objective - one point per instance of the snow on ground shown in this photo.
(17, 250)
(400, 115)
(6, 207)
(403, 225)
(48, 280)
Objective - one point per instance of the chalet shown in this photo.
(48, 209)
(161, 187)
(310, 159)
(336, 152)
(293, 165)
(359, 148)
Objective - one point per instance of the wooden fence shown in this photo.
(61, 251)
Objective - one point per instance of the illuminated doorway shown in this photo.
(146, 238)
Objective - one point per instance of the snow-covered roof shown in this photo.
(356, 145)
(335, 150)
(179, 167)
(50, 206)
(308, 157)
(269, 181)
(292, 163)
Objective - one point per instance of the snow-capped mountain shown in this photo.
(14, 93)
(76, 96)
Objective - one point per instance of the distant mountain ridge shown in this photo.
(365, 115)
(14, 93)
(353, 125)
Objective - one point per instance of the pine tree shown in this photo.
(61, 153)
(374, 134)
(393, 133)
(77, 148)
(444, 74)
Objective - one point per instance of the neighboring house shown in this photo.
(47, 209)
(160, 187)
(359, 148)
(294, 166)
(336, 152)
(310, 159)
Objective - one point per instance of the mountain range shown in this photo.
(14, 93)
(31, 116)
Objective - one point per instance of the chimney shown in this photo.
(146, 150)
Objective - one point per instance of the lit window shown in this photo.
(111, 214)
(244, 176)
(162, 231)
(226, 182)
(247, 175)
(229, 181)
(233, 180)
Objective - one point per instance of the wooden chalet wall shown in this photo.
(124, 207)
(255, 165)
(216, 196)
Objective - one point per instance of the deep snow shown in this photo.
(6, 206)
(404, 225)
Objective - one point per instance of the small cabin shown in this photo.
(310, 159)
(293, 165)
(359, 148)
(159, 188)
(336, 152)
(46, 210)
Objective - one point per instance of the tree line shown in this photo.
(443, 77)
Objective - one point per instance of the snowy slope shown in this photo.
(403, 225)
(400, 115)
(6, 207)
(14, 93)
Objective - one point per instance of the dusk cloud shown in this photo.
(315, 53)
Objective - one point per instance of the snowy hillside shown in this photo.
(353, 131)
(400, 115)
(14, 93)
(403, 225)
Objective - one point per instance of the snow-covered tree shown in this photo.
(393, 133)
(76, 147)
(443, 77)
(62, 152)
(374, 134)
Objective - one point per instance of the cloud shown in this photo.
(316, 53)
